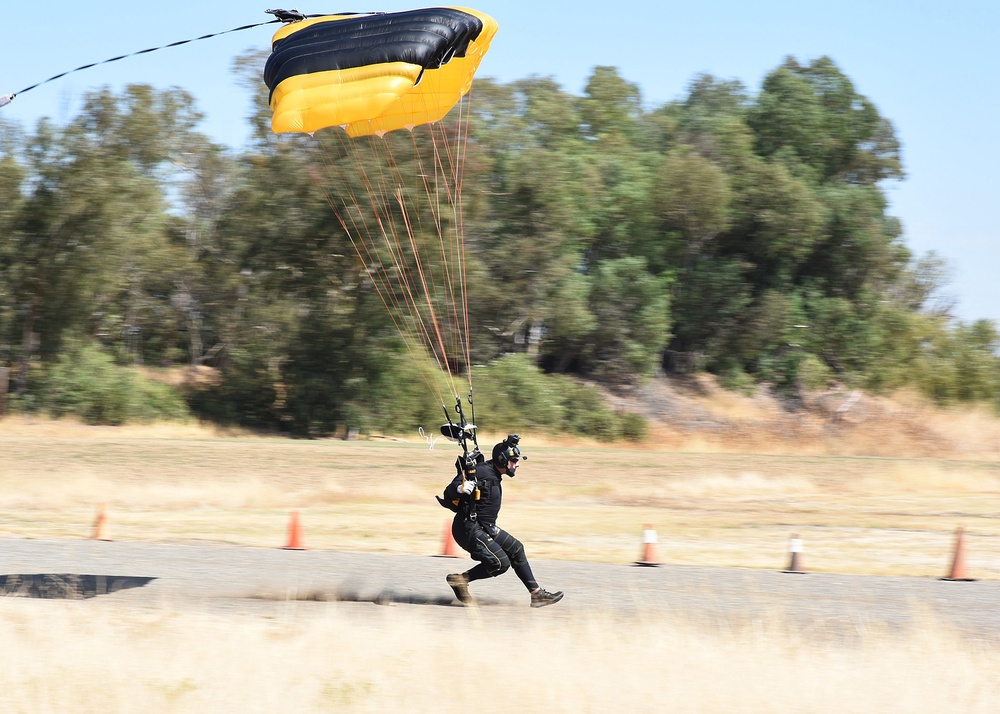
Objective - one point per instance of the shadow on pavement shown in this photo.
(66, 586)
(384, 597)
(392, 597)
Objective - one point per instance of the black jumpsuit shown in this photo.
(475, 529)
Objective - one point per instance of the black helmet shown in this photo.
(507, 451)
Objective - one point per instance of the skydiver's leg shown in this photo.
(518, 559)
(493, 561)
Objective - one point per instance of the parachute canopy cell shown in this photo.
(374, 73)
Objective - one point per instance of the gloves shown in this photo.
(466, 487)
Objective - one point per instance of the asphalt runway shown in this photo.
(233, 579)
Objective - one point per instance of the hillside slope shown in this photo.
(696, 414)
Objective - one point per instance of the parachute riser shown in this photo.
(460, 430)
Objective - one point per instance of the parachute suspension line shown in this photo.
(439, 181)
(426, 290)
(407, 280)
(448, 259)
(430, 186)
(403, 273)
(449, 164)
(430, 189)
(426, 283)
(465, 105)
(462, 304)
(369, 261)
(373, 268)
(365, 243)
(455, 172)
(394, 246)
(452, 258)
(405, 267)
(380, 211)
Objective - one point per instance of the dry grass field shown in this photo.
(93, 658)
(881, 493)
(724, 499)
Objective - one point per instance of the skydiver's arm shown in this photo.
(451, 490)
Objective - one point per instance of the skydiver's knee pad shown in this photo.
(499, 562)
(488, 552)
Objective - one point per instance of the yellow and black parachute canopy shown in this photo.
(374, 73)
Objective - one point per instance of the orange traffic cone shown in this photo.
(294, 533)
(450, 547)
(99, 525)
(648, 557)
(795, 561)
(957, 572)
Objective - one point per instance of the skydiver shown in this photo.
(475, 527)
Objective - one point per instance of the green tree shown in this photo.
(611, 105)
(816, 113)
(692, 197)
(744, 233)
(632, 311)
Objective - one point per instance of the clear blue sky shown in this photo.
(931, 68)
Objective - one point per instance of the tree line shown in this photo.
(744, 234)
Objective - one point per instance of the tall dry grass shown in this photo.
(99, 657)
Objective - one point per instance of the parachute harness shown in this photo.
(285, 16)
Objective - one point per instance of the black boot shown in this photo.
(459, 582)
(541, 598)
